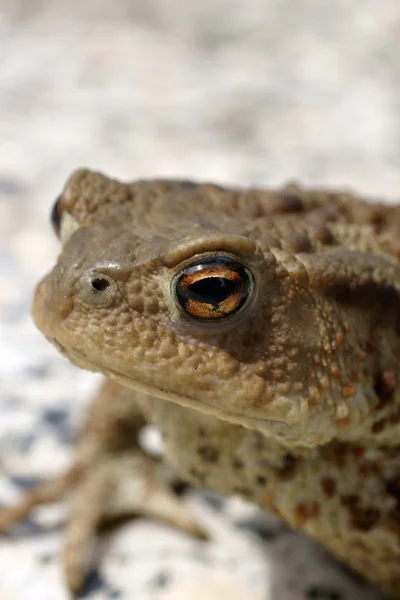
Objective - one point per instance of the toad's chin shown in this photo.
(276, 429)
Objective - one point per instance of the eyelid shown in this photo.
(237, 245)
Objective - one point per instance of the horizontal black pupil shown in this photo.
(212, 290)
(220, 283)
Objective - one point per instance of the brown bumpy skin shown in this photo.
(291, 401)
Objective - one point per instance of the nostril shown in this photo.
(100, 284)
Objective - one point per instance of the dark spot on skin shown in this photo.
(201, 431)
(365, 518)
(377, 219)
(350, 500)
(361, 518)
(378, 427)
(385, 384)
(329, 486)
(369, 346)
(208, 453)
(372, 295)
(237, 464)
(285, 202)
(306, 511)
(323, 215)
(393, 487)
(261, 480)
(297, 242)
(369, 468)
(288, 468)
(322, 234)
(339, 452)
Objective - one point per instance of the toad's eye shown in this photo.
(213, 287)
(55, 216)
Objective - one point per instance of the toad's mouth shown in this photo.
(272, 427)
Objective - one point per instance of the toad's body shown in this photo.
(259, 331)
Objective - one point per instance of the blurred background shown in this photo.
(255, 92)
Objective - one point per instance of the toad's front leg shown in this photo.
(110, 477)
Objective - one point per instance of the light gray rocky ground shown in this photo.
(260, 91)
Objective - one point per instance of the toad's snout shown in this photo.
(50, 306)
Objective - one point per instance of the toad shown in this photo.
(259, 331)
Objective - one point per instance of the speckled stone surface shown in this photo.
(260, 91)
